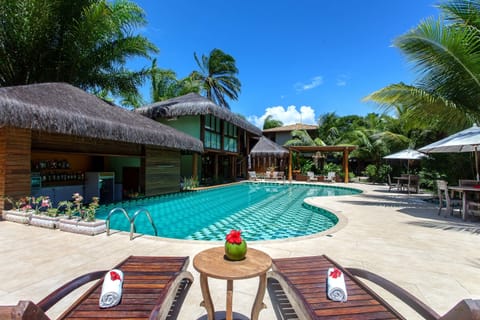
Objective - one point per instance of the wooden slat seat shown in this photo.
(303, 282)
(153, 288)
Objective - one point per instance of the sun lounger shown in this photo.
(153, 288)
(298, 285)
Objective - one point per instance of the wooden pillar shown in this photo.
(345, 164)
(195, 166)
(233, 168)
(290, 165)
(215, 164)
(15, 164)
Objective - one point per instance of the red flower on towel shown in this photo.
(335, 273)
(235, 236)
(114, 276)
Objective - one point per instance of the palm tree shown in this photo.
(165, 84)
(270, 123)
(218, 73)
(85, 43)
(302, 138)
(446, 55)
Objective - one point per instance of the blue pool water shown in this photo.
(263, 211)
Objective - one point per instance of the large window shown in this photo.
(230, 137)
(213, 135)
(213, 131)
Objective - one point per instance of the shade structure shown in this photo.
(407, 154)
(467, 140)
(267, 151)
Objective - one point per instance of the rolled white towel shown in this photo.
(336, 289)
(111, 289)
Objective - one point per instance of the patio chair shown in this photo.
(299, 284)
(445, 200)
(252, 175)
(153, 288)
(391, 185)
(330, 176)
(311, 176)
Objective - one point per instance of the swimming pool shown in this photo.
(263, 211)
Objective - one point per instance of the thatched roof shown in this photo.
(292, 127)
(266, 147)
(65, 109)
(193, 104)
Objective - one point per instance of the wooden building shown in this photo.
(53, 135)
(227, 138)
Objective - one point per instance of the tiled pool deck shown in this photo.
(399, 237)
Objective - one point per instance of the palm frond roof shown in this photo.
(266, 147)
(193, 104)
(65, 109)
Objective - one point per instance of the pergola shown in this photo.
(345, 149)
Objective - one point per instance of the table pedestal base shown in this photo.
(222, 315)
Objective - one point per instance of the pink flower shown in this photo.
(235, 236)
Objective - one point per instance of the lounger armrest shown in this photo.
(465, 309)
(409, 299)
(171, 293)
(295, 298)
(46, 303)
(24, 310)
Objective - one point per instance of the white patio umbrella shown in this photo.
(467, 140)
(407, 154)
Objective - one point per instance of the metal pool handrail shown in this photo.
(132, 223)
(131, 220)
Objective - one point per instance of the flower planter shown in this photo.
(83, 227)
(19, 216)
(44, 221)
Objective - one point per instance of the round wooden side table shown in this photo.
(212, 263)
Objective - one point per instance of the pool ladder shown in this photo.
(131, 220)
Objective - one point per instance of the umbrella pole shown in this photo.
(476, 162)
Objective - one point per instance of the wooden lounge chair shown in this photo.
(298, 286)
(153, 288)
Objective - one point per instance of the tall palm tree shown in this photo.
(85, 43)
(446, 54)
(218, 73)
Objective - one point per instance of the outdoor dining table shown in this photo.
(408, 181)
(465, 191)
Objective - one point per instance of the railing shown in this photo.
(131, 220)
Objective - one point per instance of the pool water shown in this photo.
(263, 211)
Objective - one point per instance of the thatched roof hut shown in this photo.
(65, 109)
(266, 147)
(194, 104)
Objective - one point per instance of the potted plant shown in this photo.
(20, 212)
(45, 214)
(82, 218)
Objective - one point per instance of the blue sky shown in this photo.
(297, 59)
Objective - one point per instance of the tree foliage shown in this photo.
(218, 74)
(270, 123)
(85, 43)
(445, 53)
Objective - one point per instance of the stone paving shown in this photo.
(398, 236)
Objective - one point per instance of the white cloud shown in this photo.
(291, 115)
(315, 82)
